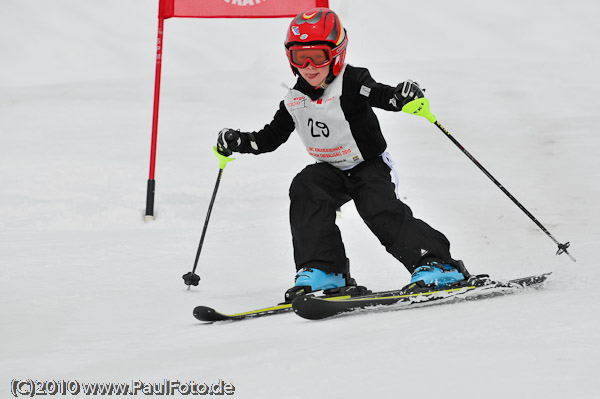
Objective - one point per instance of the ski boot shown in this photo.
(435, 274)
(332, 284)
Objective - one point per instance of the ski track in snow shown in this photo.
(90, 292)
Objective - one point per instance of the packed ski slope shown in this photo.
(89, 292)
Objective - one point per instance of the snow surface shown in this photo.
(88, 291)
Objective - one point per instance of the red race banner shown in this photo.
(236, 8)
(210, 9)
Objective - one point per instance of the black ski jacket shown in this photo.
(337, 124)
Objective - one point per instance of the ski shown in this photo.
(478, 287)
(204, 313)
(207, 314)
(318, 307)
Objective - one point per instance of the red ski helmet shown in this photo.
(318, 27)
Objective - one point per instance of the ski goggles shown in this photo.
(317, 55)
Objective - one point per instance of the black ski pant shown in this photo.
(320, 189)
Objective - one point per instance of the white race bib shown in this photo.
(322, 126)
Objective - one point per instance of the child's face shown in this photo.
(314, 76)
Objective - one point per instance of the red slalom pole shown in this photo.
(151, 182)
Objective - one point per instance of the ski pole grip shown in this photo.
(420, 106)
(223, 160)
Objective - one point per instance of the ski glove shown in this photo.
(228, 141)
(406, 92)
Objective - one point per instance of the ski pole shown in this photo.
(192, 278)
(420, 107)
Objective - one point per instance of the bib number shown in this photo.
(318, 129)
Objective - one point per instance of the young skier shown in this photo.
(331, 109)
